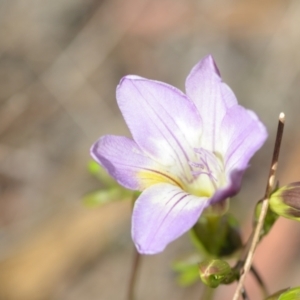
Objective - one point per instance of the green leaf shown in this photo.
(93, 167)
(286, 294)
(187, 270)
(101, 197)
(292, 294)
(97, 171)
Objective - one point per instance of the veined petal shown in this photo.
(125, 161)
(162, 120)
(232, 187)
(212, 97)
(242, 135)
(161, 214)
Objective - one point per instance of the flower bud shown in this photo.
(286, 201)
(213, 272)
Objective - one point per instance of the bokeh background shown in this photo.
(60, 62)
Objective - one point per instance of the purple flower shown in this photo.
(187, 152)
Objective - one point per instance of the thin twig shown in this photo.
(260, 281)
(244, 294)
(133, 275)
(264, 208)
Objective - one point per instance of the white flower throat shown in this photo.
(207, 173)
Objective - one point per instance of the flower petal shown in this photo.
(162, 120)
(231, 189)
(161, 214)
(242, 135)
(212, 97)
(125, 161)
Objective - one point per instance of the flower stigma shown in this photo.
(207, 172)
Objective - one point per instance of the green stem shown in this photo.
(133, 275)
(135, 265)
(207, 294)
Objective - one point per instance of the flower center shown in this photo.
(207, 171)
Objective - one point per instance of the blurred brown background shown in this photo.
(60, 62)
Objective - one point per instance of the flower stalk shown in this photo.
(264, 208)
(133, 276)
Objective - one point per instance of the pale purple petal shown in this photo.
(231, 189)
(122, 158)
(161, 214)
(212, 97)
(162, 120)
(242, 135)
